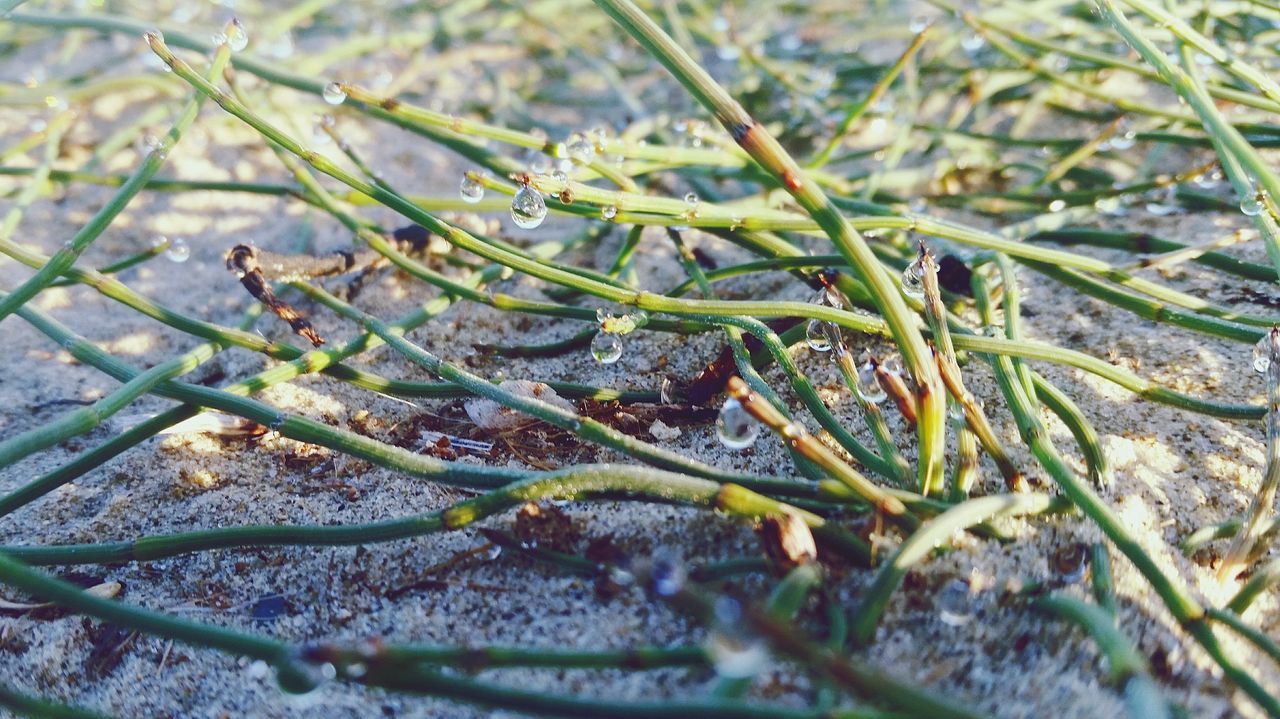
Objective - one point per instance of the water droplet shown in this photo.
(1209, 180)
(667, 573)
(735, 427)
(691, 199)
(1124, 138)
(735, 652)
(277, 422)
(471, 190)
(608, 212)
(1071, 562)
(299, 677)
(334, 94)
(1108, 205)
(953, 603)
(1262, 354)
(495, 551)
(816, 336)
(539, 163)
(913, 279)
(868, 387)
(918, 24)
(560, 176)
(666, 392)
(1166, 203)
(319, 136)
(955, 413)
(621, 577)
(528, 209)
(178, 251)
(973, 42)
(579, 148)
(606, 347)
(1253, 205)
(281, 47)
(235, 36)
(1057, 205)
(355, 670)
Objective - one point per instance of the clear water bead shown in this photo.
(1124, 139)
(1253, 205)
(913, 279)
(178, 251)
(735, 653)
(954, 604)
(816, 336)
(580, 148)
(334, 94)
(608, 212)
(691, 198)
(868, 386)
(972, 42)
(735, 427)
(606, 347)
(235, 36)
(667, 572)
(539, 164)
(1208, 180)
(471, 191)
(1262, 354)
(528, 209)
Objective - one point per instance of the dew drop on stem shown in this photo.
(816, 336)
(735, 653)
(913, 279)
(471, 190)
(667, 573)
(608, 212)
(579, 148)
(735, 427)
(954, 603)
(1262, 354)
(1252, 206)
(606, 347)
(178, 251)
(528, 209)
(334, 94)
(867, 387)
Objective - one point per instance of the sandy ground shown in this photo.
(1174, 472)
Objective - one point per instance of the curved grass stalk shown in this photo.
(1145, 243)
(1128, 669)
(945, 355)
(647, 301)
(769, 154)
(311, 431)
(82, 420)
(585, 427)
(871, 605)
(16, 574)
(1262, 579)
(1188, 612)
(36, 708)
(1238, 156)
(1262, 502)
(65, 257)
(799, 439)
(582, 482)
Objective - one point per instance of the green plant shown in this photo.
(853, 230)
